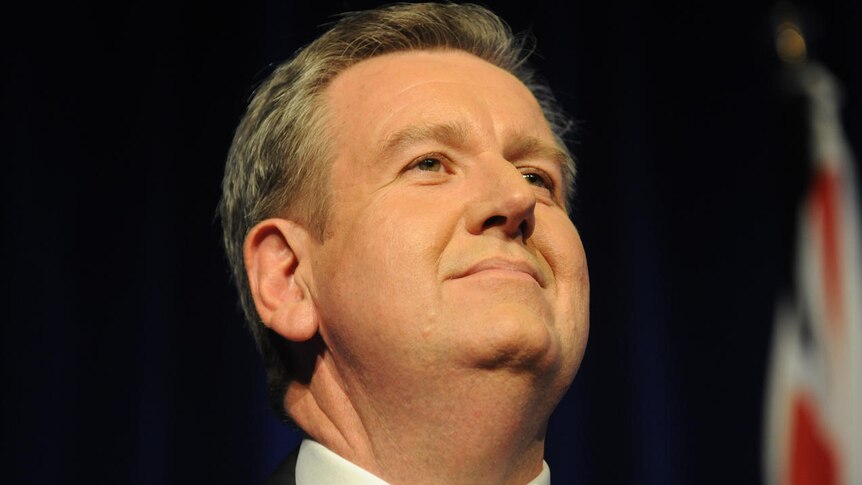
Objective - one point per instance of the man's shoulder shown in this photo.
(285, 473)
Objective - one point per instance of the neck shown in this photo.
(482, 426)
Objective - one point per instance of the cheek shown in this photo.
(578, 299)
(403, 239)
(560, 244)
(561, 247)
(570, 263)
(380, 271)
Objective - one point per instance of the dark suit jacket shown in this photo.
(285, 474)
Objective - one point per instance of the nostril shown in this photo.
(494, 221)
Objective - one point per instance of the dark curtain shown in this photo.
(125, 359)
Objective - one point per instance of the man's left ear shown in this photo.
(275, 253)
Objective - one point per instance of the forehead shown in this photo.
(377, 97)
(407, 68)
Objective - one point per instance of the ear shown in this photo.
(275, 253)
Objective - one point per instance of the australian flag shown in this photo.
(813, 405)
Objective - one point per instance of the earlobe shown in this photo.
(275, 252)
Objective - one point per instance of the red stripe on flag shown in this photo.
(812, 454)
(825, 205)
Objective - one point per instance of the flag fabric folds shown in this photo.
(813, 405)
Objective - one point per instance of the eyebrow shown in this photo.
(453, 134)
(526, 147)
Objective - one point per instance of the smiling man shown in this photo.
(395, 212)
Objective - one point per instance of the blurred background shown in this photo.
(124, 356)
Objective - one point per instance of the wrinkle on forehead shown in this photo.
(388, 102)
(426, 67)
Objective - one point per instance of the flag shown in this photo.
(813, 405)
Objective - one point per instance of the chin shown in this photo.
(517, 339)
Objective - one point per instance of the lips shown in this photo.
(499, 264)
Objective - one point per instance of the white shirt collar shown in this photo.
(318, 465)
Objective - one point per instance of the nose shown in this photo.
(504, 202)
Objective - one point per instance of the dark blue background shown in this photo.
(125, 360)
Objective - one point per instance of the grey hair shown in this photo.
(278, 163)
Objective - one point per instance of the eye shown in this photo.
(430, 168)
(537, 180)
(429, 164)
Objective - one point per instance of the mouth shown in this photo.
(505, 266)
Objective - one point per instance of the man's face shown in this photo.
(449, 248)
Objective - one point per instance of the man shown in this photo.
(395, 212)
